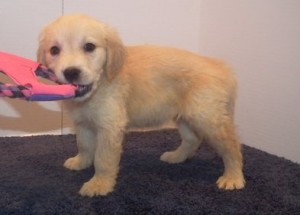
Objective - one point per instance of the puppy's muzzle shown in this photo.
(72, 74)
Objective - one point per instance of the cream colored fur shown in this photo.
(141, 86)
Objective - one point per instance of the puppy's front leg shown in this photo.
(106, 162)
(86, 139)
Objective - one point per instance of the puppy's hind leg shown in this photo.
(189, 145)
(225, 141)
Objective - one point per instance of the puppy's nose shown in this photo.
(72, 74)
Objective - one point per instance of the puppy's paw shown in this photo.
(97, 186)
(231, 182)
(172, 157)
(75, 163)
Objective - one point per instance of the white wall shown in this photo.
(261, 40)
(258, 37)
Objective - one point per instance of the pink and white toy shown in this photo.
(24, 73)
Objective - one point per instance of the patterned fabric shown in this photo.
(46, 73)
(12, 91)
(20, 91)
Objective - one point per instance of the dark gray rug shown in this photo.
(33, 180)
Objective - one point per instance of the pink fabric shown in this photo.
(22, 71)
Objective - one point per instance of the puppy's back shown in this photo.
(163, 81)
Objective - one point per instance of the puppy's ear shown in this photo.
(41, 55)
(41, 51)
(115, 54)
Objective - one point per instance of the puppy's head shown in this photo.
(81, 51)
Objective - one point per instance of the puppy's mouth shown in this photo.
(82, 90)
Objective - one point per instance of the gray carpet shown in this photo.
(33, 180)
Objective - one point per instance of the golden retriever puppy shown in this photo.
(139, 86)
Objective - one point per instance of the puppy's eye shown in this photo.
(54, 50)
(89, 47)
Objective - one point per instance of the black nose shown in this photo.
(72, 74)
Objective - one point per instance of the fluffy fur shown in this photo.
(140, 86)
